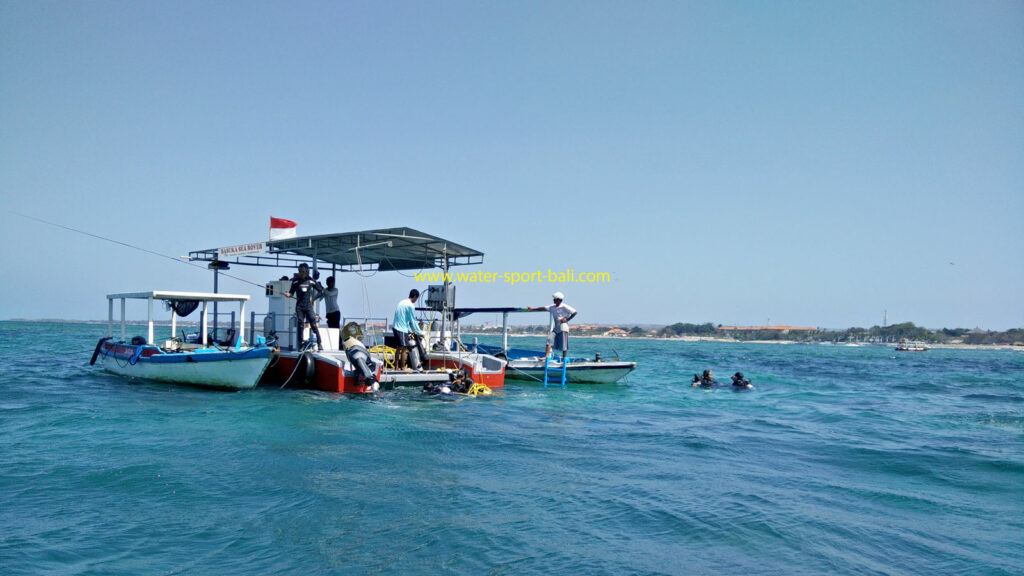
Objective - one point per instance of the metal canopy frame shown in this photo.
(368, 251)
(459, 313)
(204, 297)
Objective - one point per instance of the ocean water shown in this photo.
(840, 461)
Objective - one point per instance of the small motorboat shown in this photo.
(528, 365)
(911, 347)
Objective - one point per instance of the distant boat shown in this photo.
(911, 347)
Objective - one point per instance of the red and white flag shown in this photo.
(281, 229)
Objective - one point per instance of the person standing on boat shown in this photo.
(331, 303)
(305, 290)
(406, 328)
(561, 314)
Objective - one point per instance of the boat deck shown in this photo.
(388, 378)
(401, 378)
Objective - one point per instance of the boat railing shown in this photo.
(253, 332)
(217, 330)
(264, 324)
(374, 329)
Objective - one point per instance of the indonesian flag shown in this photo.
(281, 229)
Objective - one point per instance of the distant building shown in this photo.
(617, 332)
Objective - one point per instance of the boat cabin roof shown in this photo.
(175, 296)
(385, 249)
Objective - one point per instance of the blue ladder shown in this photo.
(554, 372)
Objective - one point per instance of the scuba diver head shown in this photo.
(740, 381)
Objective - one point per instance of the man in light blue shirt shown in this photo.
(406, 328)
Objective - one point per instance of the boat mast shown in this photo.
(504, 333)
(216, 276)
(444, 298)
(216, 266)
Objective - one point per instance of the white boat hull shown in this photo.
(577, 373)
(233, 374)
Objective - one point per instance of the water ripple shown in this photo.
(839, 461)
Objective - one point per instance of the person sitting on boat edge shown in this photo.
(305, 290)
(331, 304)
(406, 328)
(561, 314)
(706, 380)
(740, 382)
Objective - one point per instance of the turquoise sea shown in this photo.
(840, 461)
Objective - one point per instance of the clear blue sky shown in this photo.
(811, 163)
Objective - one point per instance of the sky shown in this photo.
(806, 163)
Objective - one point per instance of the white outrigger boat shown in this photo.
(228, 364)
(532, 366)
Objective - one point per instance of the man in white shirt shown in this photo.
(561, 314)
(331, 302)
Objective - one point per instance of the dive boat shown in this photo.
(228, 364)
(356, 359)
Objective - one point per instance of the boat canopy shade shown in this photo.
(462, 312)
(386, 249)
(176, 296)
(204, 297)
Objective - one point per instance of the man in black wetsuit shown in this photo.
(303, 289)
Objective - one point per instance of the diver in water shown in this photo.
(739, 381)
(436, 388)
(459, 382)
(706, 380)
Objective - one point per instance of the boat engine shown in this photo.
(96, 352)
(357, 354)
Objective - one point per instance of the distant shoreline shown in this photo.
(588, 337)
(733, 341)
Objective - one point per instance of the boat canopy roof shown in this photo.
(462, 312)
(176, 296)
(385, 249)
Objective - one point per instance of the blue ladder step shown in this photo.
(548, 369)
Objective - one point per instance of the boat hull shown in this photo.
(577, 373)
(232, 370)
(327, 371)
(331, 371)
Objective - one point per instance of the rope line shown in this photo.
(127, 245)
